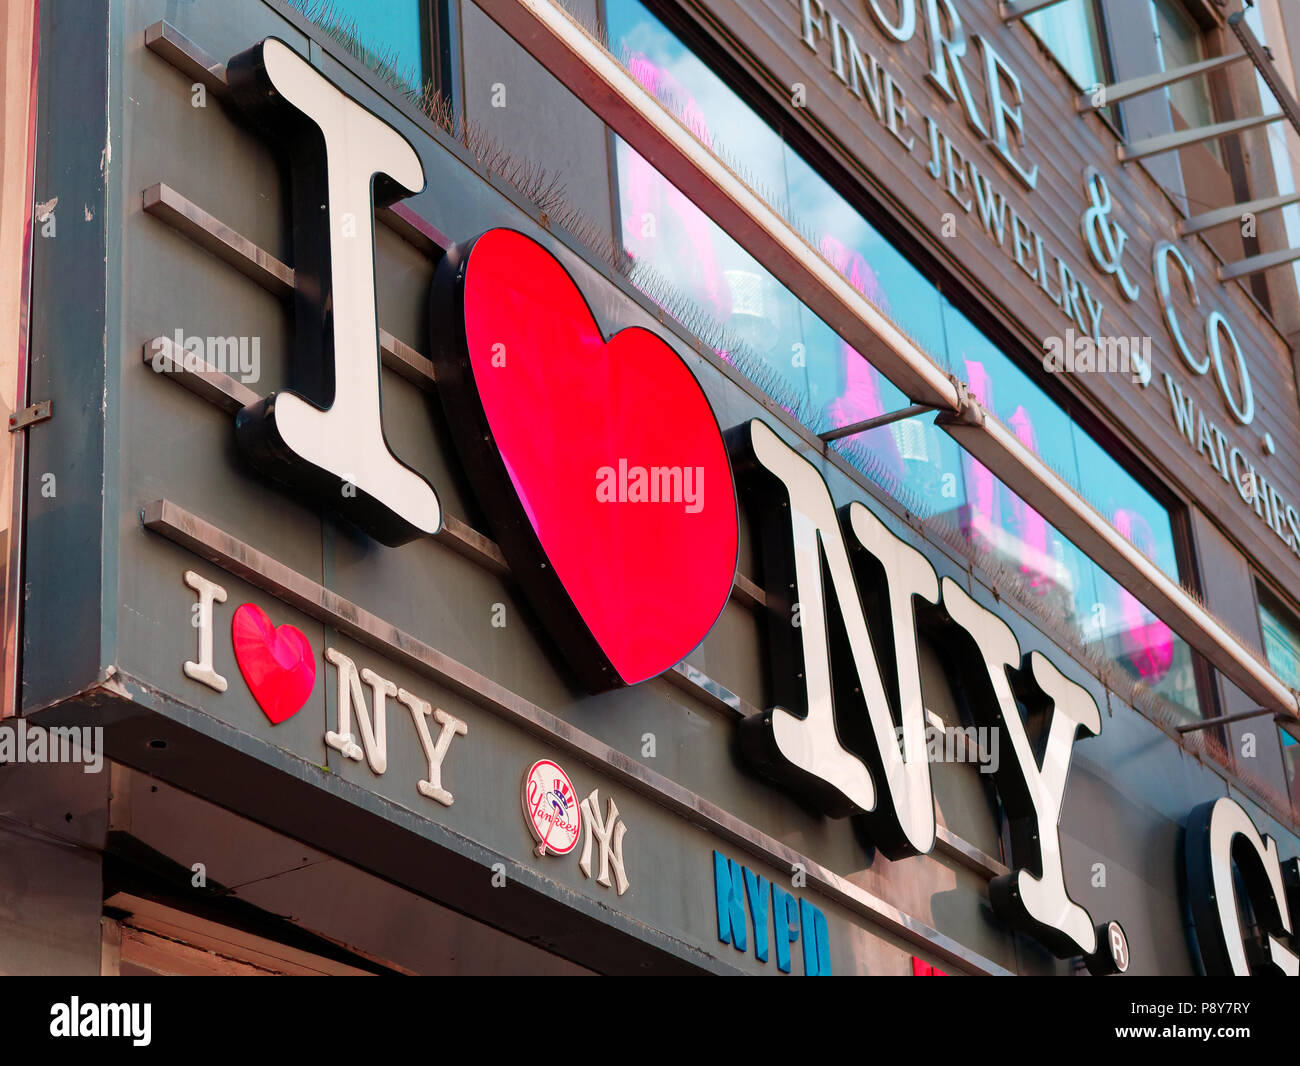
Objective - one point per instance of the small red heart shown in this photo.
(599, 462)
(277, 663)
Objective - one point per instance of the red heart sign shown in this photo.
(277, 663)
(600, 463)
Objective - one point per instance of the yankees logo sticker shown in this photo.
(551, 808)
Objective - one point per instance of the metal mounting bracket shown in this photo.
(29, 416)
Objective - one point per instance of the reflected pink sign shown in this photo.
(1147, 642)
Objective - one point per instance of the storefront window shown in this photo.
(1281, 635)
(390, 31)
(1071, 32)
(1180, 42)
(817, 377)
(1281, 640)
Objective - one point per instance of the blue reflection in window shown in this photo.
(1281, 635)
(712, 111)
(1071, 32)
(389, 30)
(858, 251)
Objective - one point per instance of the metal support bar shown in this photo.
(1265, 68)
(1010, 10)
(1255, 264)
(166, 40)
(214, 236)
(1170, 142)
(1225, 719)
(1234, 212)
(29, 416)
(854, 428)
(1122, 90)
(210, 233)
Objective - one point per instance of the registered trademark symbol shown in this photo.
(1112, 955)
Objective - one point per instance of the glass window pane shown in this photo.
(1143, 645)
(1181, 42)
(712, 111)
(1132, 510)
(1291, 761)
(1000, 385)
(871, 264)
(389, 30)
(1070, 31)
(678, 253)
(1281, 636)
(1281, 641)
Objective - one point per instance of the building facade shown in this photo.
(789, 487)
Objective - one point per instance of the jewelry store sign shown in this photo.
(1208, 347)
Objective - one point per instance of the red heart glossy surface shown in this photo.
(617, 490)
(277, 662)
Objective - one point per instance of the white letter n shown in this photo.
(351, 696)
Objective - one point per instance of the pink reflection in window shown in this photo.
(1033, 530)
(983, 514)
(855, 269)
(660, 224)
(1146, 642)
(860, 400)
(657, 81)
(860, 394)
(1018, 533)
